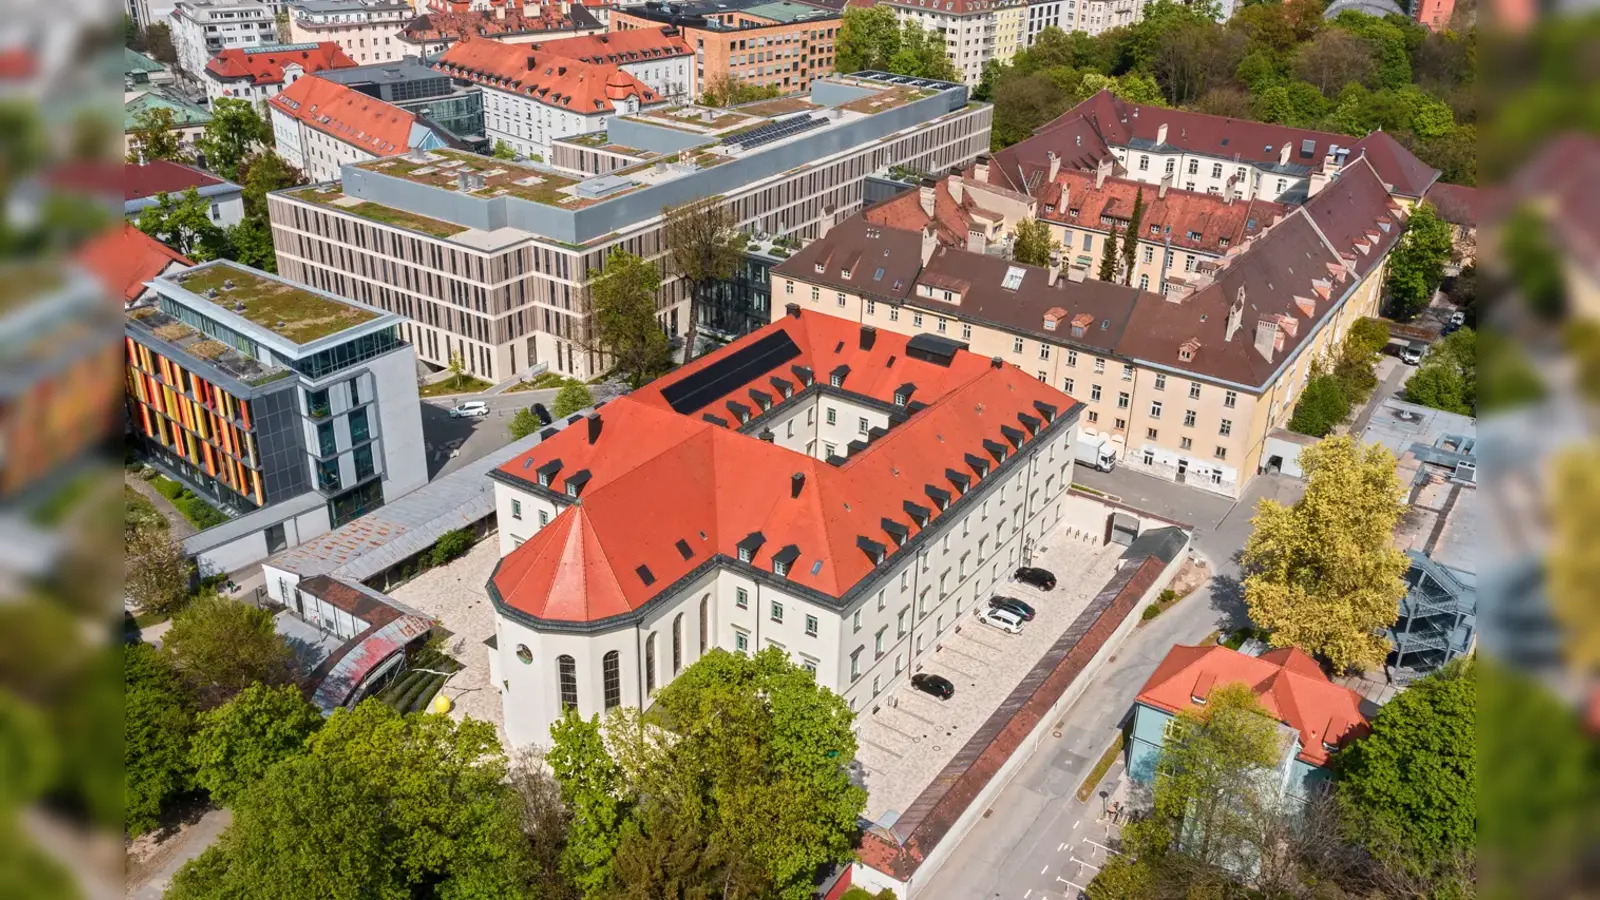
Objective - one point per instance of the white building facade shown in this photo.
(367, 30)
(203, 28)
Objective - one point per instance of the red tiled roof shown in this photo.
(1455, 203)
(1025, 165)
(1290, 685)
(17, 63)
(551, 79)
(125, 258)
(361, 121)
(1397, 166)
(161, 177)
(952, 219)
(262, 66)
(1177, 214)
(657, 477)
(618, 47)
(457, 24)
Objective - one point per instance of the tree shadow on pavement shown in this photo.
(1227, 598)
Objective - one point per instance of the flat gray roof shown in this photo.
(1397, 425)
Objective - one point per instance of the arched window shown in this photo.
(650, 664)
(567, 678)
(677, 644)
(705, 621)
(611, 673)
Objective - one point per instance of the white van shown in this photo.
(1003, 619)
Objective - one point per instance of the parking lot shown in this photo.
(906, 737)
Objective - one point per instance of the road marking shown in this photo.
(1089, 864)
(1076, 824)
(1101, 846)
(1068, 883)
(1044, 870)
(1025, 896)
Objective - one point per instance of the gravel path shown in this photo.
(177, 526)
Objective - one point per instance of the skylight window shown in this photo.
(1013, 279)
(878, 275)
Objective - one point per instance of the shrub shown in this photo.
(1371, 335)
(572, 397)
(1322, 405)
(1150, 612)
(1169, 596)
(450, 545)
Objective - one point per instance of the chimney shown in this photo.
(996, 362)
(930, 243)
(977, 242)
(1166, 182)
(793, 309)
(925, 193)
(1055, 165)
(827, 223)
(980, 172)
(1230, 193)
(796, 482)
(869, 336)
(1235, 315)
(1283, 153)
(957, 189)
(1319, 180)
(533, 62)
(1055, 268)
(594, 428)
(1266, 338)
(767, 435)
(1161, 133)
(1100, 173)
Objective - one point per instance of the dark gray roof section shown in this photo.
(1163, 543)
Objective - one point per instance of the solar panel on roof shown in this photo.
(730, 373)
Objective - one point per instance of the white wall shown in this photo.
(286, 132)
(398, 423)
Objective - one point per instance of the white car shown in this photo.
(1458, 318)
(470, 409)
(1003, 619)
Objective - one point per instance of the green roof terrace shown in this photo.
(296, 313)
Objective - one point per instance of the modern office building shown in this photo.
(259, 73)
(421, 90)
(292, 410)
(840, 493)
(319, 126)
(780, 44)
(1185, 384)
(203, 28)
(489, 259)
(365, 29)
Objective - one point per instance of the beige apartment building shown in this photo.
(489, 259)
(973, 31)
(1185, 386)
(367, 30)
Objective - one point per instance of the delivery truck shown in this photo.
(1097, 452)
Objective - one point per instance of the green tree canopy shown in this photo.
(158, 718)
(155, 136)
(183, 222)
(1323, 575)
(219, 646)
(1321, 406)
(625, 322)
(1032, 244)
(1416, 264)
(1448, 376)
(524, 423)
(922, 55)
(592, 786)
(237, 742)
(868, 38)
(234, 132)
(573, 396)
(703, 248)
(379, 805)
(1109, 256)
(156, 571)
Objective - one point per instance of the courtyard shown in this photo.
(455, 595)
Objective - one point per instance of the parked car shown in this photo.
(937, 685)
(1023, 610)
(1412, 354)
(542, 414)
(1043, 579)
(469, 410)
(1458, 318)
(1003, 619)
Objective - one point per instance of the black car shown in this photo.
(542, 413)
(937, 685)
(1023, 610)
(1043, 579)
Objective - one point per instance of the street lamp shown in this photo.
(1104, 795)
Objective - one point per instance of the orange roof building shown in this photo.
(1324, 717)
(778, 492)
(125, 258)
(532, 96)
(320, 125)
(257, 73)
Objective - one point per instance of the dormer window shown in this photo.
(744, 554)
(821, 268)
(836, 380)
(845, 274)
(1223, 242)
(1155, 229)
(779, 568)
(1049, 324)
(1194, 235)
(1072, 214)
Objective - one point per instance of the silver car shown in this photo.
(1003, 619)
(470, 409)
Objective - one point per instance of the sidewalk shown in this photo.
(178, 527)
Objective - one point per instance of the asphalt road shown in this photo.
(1041, 842)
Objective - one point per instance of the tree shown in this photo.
(1334, 58)
(250, 243)
(219, 646)
(702, 248)
(546, 821)
(232, 135)
(262, 173)
(868, 38)
(1416, 265)
(726, 90)
(155, 136)
(503, 150)
(523, 424)
(158, 43)
(1322, 405)
(1536, 268)
(922, 55)
(1130, 244)
(158, 717)
(1573, 568)
(156, 572)
(1023, 103)
(573, 396)
(1409, 790)
(1372, 335)
(452, 545)
(183, 222)
(626, 329)
(1108, 257)
(379, 805)
(591, 786)
(1323, 574)
(1032, 244)
(237, 742)
(1448, 377)
(457, 367)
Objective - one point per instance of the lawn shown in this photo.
(399, 217)
(138, 508)
(282, 307)
(200, 514)
(464, 384)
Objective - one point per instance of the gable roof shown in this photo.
(618, 47)
(1289, 684)
(159, 176)
(653, 471)
(1356, 214)
(357, 119)
(952, 219)
(549, 78)
(1399, 168)
(124, 258)
(1455, 203)
(264, 65)
(1219, 223)
(1071, 136)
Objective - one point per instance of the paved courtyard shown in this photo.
(906, 737)
(455, 595)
